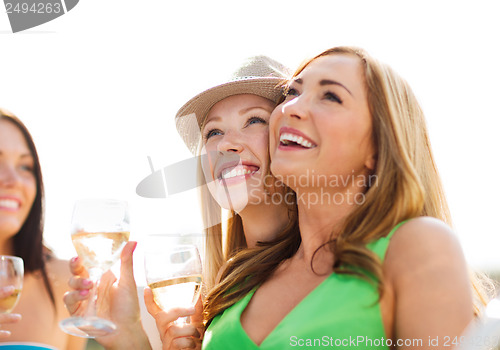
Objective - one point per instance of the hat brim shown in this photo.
(190, 117)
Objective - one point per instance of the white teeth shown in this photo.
(229, 173)
(286, 138)
(9, 203)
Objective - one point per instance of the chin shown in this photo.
(231, 198)
(233, 204)
(282, 169)
(8, 230)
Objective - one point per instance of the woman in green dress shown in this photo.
(375, 265)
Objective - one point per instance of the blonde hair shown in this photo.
(215, 254)
(408, 185)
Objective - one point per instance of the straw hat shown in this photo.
(258, 75)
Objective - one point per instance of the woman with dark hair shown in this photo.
(21, 234)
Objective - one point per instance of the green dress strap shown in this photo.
(380, 246)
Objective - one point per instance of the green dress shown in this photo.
(341, 312)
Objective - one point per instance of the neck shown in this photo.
(321, 216)
(263, 222)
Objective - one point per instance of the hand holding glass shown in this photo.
(173, 273)
(100, 230)
(11, 281)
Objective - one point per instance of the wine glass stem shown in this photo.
(95, 276)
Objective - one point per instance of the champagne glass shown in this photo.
(11, 281)
(99, 231)
(173, 272)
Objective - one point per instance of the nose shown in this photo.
(8, 176)
(231, 142)
(296, 108)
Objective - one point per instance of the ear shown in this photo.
(371, 162)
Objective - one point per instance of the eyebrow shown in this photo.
(213, 119)
(325, 82)
(243, 111)
(23, 155)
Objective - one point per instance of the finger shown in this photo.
(182, 330)
(4, 334)
(9, 318)
(107, 279)
(127, 266)
(197, 317)
(169, 315)
(183, 343)
(151, 305)
(76, 267)
(169, 329)
(6, 291)
(80, 283)
(72, 300)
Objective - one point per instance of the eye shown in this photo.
(291, 92)
(256, 120)
(28, 168)
(212, 132)
(332, 97)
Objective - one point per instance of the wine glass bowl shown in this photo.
(99, 231)
(174, 273)
(11, 281)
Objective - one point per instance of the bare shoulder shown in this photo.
(427, 276)
(421, 242)
(58, 268)
(59, 275)
(423, 235)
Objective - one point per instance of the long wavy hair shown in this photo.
(28, 242)
(408, 186)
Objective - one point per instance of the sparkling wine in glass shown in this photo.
(100, 230)
(173, 272)
(11, 281)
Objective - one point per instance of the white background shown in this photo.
(99, 88)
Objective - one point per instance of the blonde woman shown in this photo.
(234, 150)
(376, 265)
(227, 126)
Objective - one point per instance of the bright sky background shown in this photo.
(99, 88)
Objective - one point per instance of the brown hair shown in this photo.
(408, 186)
(28, 242)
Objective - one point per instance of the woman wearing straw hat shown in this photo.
(227, 126)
